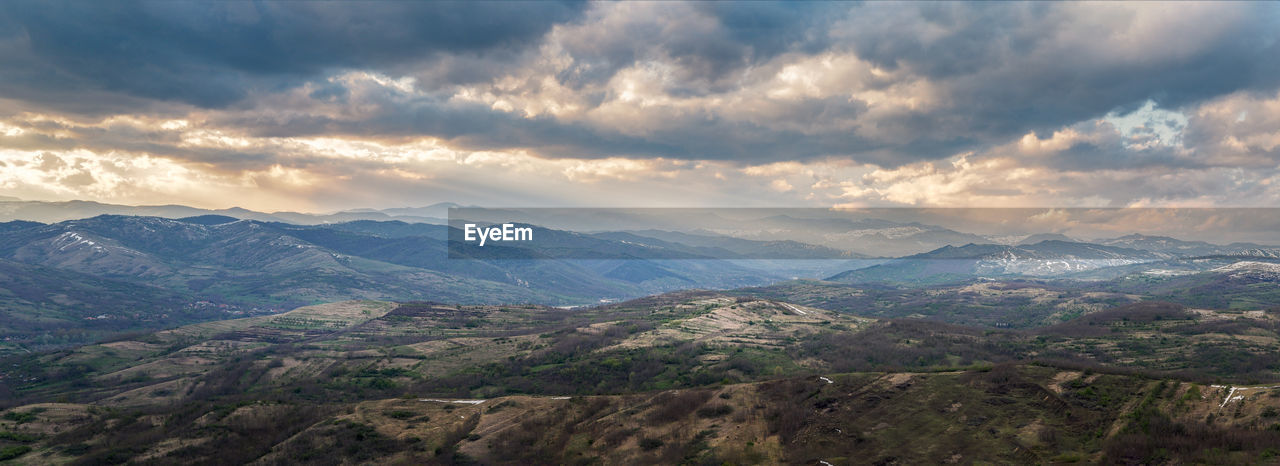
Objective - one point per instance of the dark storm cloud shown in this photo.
(744, 34)
(1003, 70)
(771, 28)
(210, 54)
(1014, 68)
(1112, 155)
(213, 53)
(999, 70)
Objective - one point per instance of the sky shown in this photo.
(322, 106)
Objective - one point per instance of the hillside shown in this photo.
(1176, 247)
(279, 265)
(243, 262)
(1009, 303)
(1010, 414)
(695, 375)
(44, 307)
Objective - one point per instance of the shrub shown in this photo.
(715, 411)
(676, 406)
(649, 443)
(9, 453)
(399, 414)
(18, 436)
(20, 418)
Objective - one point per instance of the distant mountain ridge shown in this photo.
(869, 237)
(807, 230)
(1040, 237)
(755, 249)
(1043, 259)
(1174, 247)
(53, 212)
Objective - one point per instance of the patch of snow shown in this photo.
(1167, 272)
(1251, 269)
(1231, 395)
(794, 309)
(1251, 266)
(467, 402)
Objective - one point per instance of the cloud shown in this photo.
(875, 103)
(879, 84)
(621, 82)
(212, 54)
(1012, 68)
(49, 162)
(1239, 129)
(781, 185)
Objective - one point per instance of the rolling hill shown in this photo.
(44, 307)
(686, 377)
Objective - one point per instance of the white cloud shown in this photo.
(781, 185)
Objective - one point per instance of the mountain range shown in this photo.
(210, 267)
(52, 212)
(1056, 258)
(76, 280)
